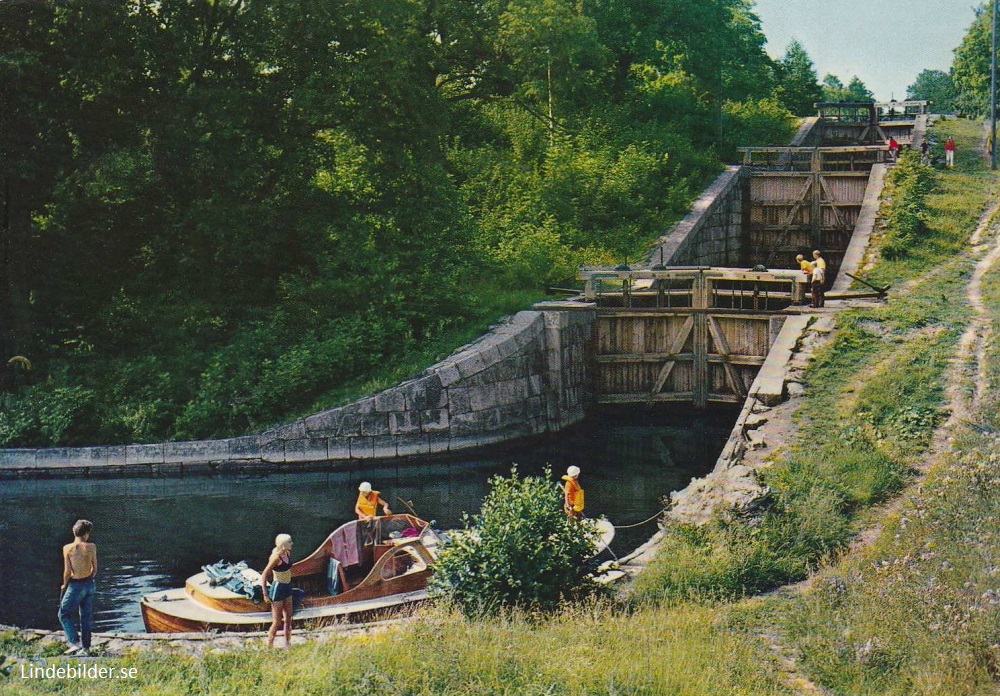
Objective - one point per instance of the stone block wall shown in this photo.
(712, 233)
(526, 377)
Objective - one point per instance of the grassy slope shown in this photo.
(917, 611)
(909, 613)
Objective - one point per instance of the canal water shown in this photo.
(153, 533)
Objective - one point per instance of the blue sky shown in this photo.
(884, 42)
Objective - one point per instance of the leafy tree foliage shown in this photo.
(833, 88)
(935, 86)
(855, 91)
(970, 69)
(521, 550)
(798, 85)
(218, 211)
(858, 91)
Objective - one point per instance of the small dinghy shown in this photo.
(607, 531)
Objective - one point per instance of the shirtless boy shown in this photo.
(76, 610)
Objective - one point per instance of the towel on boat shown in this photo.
(344, 544)
(333, 576)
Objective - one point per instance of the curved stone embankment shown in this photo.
(526, 377)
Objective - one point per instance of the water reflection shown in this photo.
(154, 533)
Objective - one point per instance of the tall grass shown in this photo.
(592, 649)
(917, 611)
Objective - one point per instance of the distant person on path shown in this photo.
(76, 609)
(573, 493)
(925, 152)
(949, 152)
(368, 501)
(818, 280)
(893, 149)
(807, 269)
(279, 570)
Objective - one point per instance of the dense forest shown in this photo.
(216, 213)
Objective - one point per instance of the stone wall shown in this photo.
(526, 377)
(712, 233)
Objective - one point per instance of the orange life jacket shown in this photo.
(367, 502)
(574, 494)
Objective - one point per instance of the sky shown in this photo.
(886, 43)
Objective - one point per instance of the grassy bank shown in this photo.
(662, 650)
(915, 611)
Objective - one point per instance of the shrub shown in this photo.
(521, 551)
(909, 183)
(47, 413)
(755, 122)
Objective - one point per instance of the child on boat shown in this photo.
(573, 493)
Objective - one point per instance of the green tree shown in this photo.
(833, 89)
(521, 550)
(935, 86)
(970, 69)
(798, 87)
(218, 212)
(857, 91)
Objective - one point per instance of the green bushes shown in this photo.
(907, 186)
(48, 412)
(761, 122)
(521, 550)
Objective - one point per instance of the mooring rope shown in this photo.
(639, 524)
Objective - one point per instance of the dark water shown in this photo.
(154, 533)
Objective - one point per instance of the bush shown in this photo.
(46, 413)
(755, 122)
(521, 551)
(908, 183)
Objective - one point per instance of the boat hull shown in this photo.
(168, 613)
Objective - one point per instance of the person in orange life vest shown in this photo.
(573, 493)
(368, 502)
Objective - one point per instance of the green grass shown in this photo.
(584, 650)
(915, 612)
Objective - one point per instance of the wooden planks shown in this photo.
(701, 357)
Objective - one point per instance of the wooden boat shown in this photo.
(384, 566)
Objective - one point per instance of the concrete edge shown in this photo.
(863, 228)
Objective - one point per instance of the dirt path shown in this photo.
(975, 339)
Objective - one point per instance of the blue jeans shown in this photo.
(76, 611)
